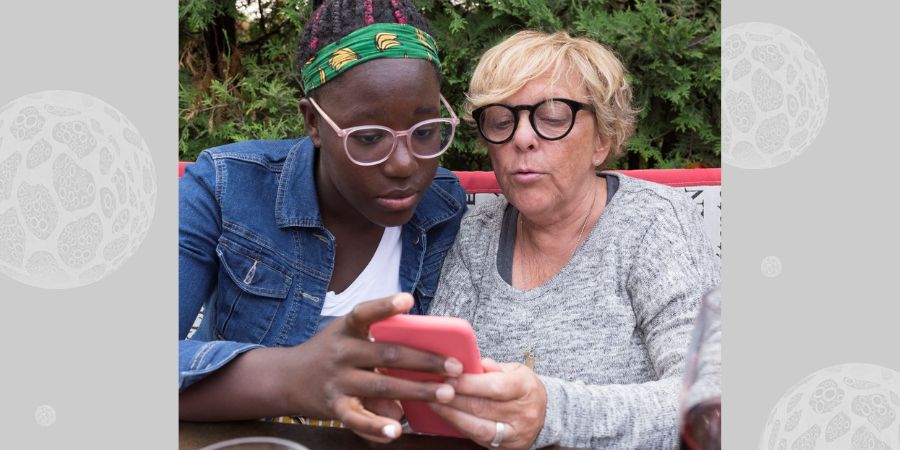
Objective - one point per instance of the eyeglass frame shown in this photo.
(344, 133)
(574, 105)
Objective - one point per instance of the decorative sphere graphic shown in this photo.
(850, 406)
(77, 189)
(774, 95)
(45, 415)
(770, 266)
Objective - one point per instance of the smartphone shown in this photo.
(448, 336)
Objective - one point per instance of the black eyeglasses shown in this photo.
(552, 119)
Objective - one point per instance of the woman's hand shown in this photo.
(507, 393)
(333, 377)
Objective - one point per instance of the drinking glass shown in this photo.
(256, 443)
(701, 396)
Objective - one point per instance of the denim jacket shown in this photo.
(254, 252)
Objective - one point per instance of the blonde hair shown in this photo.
(527, 55)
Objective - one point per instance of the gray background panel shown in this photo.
(829, 215)
(103, 356)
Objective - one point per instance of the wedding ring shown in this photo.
(498, 436)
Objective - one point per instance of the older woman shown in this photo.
(582, 287)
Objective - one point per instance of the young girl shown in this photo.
(284, 243)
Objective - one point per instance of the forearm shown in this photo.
(245, 388)
(611, 416)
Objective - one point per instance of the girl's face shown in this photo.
(395, 93)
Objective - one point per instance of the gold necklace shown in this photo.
(583, 223)
(529, 356)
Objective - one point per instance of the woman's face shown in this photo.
(395, 93)
(541, 177)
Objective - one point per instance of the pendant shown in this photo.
(529, 360)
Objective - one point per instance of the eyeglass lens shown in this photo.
(427, 140)
(552, 120)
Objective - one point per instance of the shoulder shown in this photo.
(446, 181)
(479, 233)
(663, 221)
(482, 222)
(270, 155)
(650, 202)
(228, 170)
(443, 203)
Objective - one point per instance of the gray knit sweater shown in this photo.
(609, 332)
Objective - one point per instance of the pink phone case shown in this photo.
(448, 336)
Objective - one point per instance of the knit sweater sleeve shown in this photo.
(672, 266)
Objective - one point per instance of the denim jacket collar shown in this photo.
(296, 204)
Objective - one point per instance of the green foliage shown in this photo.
(671, 48)
(253, 92)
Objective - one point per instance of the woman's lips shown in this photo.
(526, 177)
(397, 202)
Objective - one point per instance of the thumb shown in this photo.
(489, 365)
(365, 314)
(384, 407)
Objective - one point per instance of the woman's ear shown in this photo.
(310, 121)
(601, 151)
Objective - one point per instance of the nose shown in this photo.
(524, 137)
(401, 163)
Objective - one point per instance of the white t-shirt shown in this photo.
(380, 278)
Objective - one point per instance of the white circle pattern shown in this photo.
(77, 189)
(774, 95)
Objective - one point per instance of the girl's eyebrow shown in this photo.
(373, 114)
(425, 110)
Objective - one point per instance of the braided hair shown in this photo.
(334, 19)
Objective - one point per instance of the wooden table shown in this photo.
(195, 435)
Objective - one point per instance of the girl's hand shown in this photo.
(333, 374)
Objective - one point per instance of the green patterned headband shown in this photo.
(380, 40)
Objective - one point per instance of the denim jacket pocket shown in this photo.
(252, 288)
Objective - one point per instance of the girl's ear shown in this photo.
(310, 121)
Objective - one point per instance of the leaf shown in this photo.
(670, 47)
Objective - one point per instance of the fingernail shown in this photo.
(399, 301)
(453, 366)
(444, 394)
(390, 431)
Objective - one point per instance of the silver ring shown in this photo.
(498, 435)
